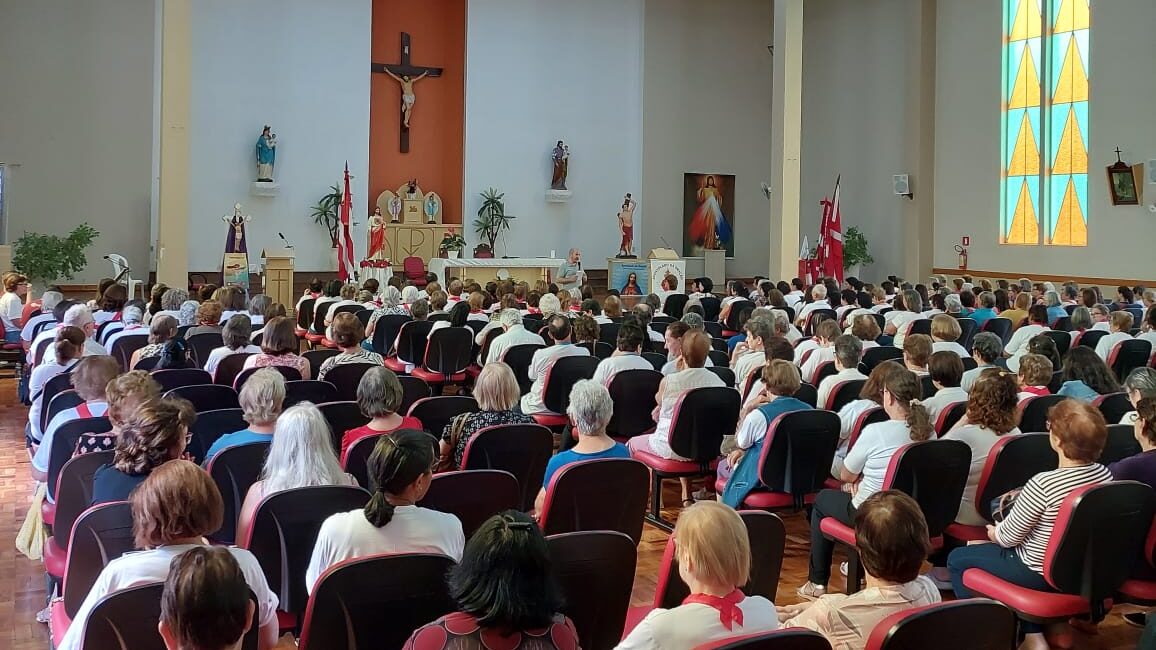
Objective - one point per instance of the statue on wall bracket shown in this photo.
(560, 158)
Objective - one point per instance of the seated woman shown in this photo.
(258, 305)
(153, 434)
(279, 347)
(586, 332)
(300, 455)
(379, 395)
(272, 310)
(945, 333)
(1139, 383)
(172, 511)
(1034, 376)
(916, 353)
(866, 328)
(348, 335)
(191, 621)
(1018, 314)
(1086, 376)
(459, 314)
(991, 413)
(187, 314)
(90, 377)
(589, 412)
(946, 370)
(864, 468)
(1078, 433)
(714, 558)
(1142, 466)
(907, 306)
(891, 535)
(870, 397)
(162, 329)
(1018, 345)
(391, 305)
(401, 469)
(68, 348)
(496, 391)
(505, 593)
(208, 319)
(237, 335)
(261, 399)
(741, 467)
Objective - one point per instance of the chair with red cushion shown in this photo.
(211, 425)
(600, 494)
(520, 449)
(346, 377)
(519, 357)
(342, 416)
(1113, 406)
(436, 412)
(700, 419)
(73, 496)
(309, 390)
(791, 638)
(825, 369)
(446, 357)
(948, 416)
(64, 446)
(595, 571)
(304, 317)
(206, 397)
(970, 624)
(414, 269)
(1034, 412)
(52, 388)
(633, 393)
(560, 379)
(731, 325)
(934, 473)
(284, 531)
(472, 496)
(1140, 588)
(376, 601)
(290, 374)
(844, 392)
(1099, 532)
(62, 401)
(1129, 354)
(795, 460)
(385, 332)
(1121, 444)
(234, 470)
(413, 338)
(1012, 460)
(230, 367)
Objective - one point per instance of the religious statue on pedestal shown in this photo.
(410, 205)
(266, 154)
(376, 248)
(626, 225)
(235, 262)
(561, 158)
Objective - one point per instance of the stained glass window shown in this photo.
(1045, 122)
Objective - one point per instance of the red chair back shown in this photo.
(948, 416)
(1010, 463)
(211, 425)
(346, 377)
(235, 470)
(342, 416)
(701, 417)
(601, 494)
(972, 624)
(309, 390)
(101, 534)
(64, 445)
(797, 453)
(206, 397)
(794, 638)
(870, 416)
(74, 492)
(473, 496)
(633, 393)
(414, 269)
(595, 570)
(844, 393)
(520, 449)
(1034, 412)
(934, 473)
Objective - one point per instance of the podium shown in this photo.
(663, 262)
(278, 277)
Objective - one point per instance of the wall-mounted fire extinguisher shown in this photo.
(962, 257)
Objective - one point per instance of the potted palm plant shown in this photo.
(325, 215)
(492, 220)
(855, 252)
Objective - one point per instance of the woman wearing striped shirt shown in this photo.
(1078, 433)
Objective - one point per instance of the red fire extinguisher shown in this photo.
(962, 257)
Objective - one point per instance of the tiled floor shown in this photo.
(22, 580)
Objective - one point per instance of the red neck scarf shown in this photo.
(727, 606)
(1036, 390)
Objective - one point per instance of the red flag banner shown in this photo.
(345, 267)
(833, 239)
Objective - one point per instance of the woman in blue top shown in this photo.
(986, 309)
(1056, 311)
(781, 381)
(1086, 376)
(589, 412)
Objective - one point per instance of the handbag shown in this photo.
(1002, 505)
(32, 535)
(446, 462)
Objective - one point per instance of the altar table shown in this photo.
(483, 270)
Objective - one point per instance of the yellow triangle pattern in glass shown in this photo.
(1026, 91)
(1027, 22)
(1070, 228)
(1073, 15)
(1025, 226)
(1072, 85)
(1025, 160)
(1072, 155)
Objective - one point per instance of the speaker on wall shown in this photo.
(1152, 171)
(901, 185)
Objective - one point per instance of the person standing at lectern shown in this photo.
(570, 272)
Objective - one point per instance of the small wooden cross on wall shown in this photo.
(406, 74)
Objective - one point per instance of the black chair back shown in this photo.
(376, 602)
(305, 313)
(816, 316)
(919, 326)
(201, 345)
(674, 305)
(476, 325)
(711, 307)
(877, 355)
(1114, 406)
(473, 496)
(713, 328)
(971, 624)
(124, 347)
(284, 532)
(342, 416)
(518, 357)
(319, 356)
(436, 412)
(309, 390)
(317, 325)
(520, 449)
(356, 462)
(701, 418)
(562, 376)
(346, 377)
(385, 332)
(951, 414)
(363, 315)
(127, 620)
(732, 320)
(290, 374)
(487, 341)
(934, 473)
(1062, 339)
(449, 351)
(1063, 324)
(825, 369)
(206, 397)
(412, 389)
(1057, 381)
(1034, 412)
(62, 401)
(235, 470)
(1010, 463)
(725, 374)
(100, 535)
(844, 393)
(1128, 355)
(595, 570)
(74, 493)
(52, 388)
(230, 367)
(412, 341)
(608, 333)
(657, 360)
(1090, 338)
(147, 363)
(807, 393)
(211, 425)
(1001, 327)
(1121, 444)
(64, 445)
(633, 393)
(797, 453)
(967, 329)
(601, 494)
(794, 638)
(719, 358)
(926, 386)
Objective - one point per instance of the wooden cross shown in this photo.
(405, 69)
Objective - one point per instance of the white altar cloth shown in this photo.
(447, 267)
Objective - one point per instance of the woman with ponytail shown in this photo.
(400, 471)
(864, 469)
(69, 347)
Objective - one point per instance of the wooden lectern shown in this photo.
(279, 275)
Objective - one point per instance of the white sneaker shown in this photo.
(843, 569)
(811, 591)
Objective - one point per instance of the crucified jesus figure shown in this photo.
(407, 95)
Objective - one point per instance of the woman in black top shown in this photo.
(154, 434)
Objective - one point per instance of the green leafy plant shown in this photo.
(492, 218)
(452, 242)
(48, 258)
(855, 250)
(325, 213)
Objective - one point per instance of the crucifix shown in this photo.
(406, 74)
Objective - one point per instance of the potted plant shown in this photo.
(855, 252)
(492, 220)
(452, 244)
(47, 258)
(325, 215)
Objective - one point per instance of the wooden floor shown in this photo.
(22, 580)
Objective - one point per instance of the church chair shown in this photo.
(701, 417)
(560, 379)
(309, 390)
(412, 341)
(230, 367)
(102, 333)
(599, 494)
(183, 330)
(713, 328)
(412, 389)
(633, 393)
(1090, 338)
(473, 496)
(603, 350)
(793, 638)
(363, 315)
(843, 393)
(719, 358)
(122, 350)
(1099, 532)
(1070, 309)
(433, 318)
(518, 357)
(206, 397)
(656, 360)
(1063, 324)
(660, 326)
(595, 571)
(1011, 461)
(201, 345)
(1140, 587)
(794, 461)
(969, 363)
(725, 374)
(356, 462)
(101, 534)
(284, 532)
(815, 317)
(64, 446)
(414, 269)
(446, 357)
(73, 496)
(749, 382)
(62, 401)
(318, 357)
(1121, 444)
(807, 393)
(968, 328)
(385, 333)
(235, 469)
(674, 305)
(1114, 406)
(52, 388)
(1128, 355)
(1034, 412)
(948, 416)
(211, 425)
(520, 449)
(919, 326)
(376, 601)
(342, 416)
(1001, 327)
(1061, 338)
(304, 317)
(711, 307)
(934, 473)
(877, 355)
(731, 325)
(177, 377)
(346, 377)
(969, 624)
(147, 364)
(316, 332)
(436, 412)
(927, 386)
(476, 325)
(475, 369)
(825, 369)
(719, 344)
(608, 333)
(869, 416)
(290, 374)
(1056, 383)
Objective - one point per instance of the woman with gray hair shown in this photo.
(261, 400)
(1081, 320)
(187, 315)
(1056, 311)
(236, 334)
(1140, 384)
(953, 305)
(390, 306)
(379, 396)
(258, 304)
(589, 411)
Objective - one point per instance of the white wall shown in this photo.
(302, 67)
(543, 70)
(1123, 95)
(707, 108)
(75, 122)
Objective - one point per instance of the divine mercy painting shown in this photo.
(708, 204)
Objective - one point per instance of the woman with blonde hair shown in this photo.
(497, 393)
(162, 329)
(90, 378)
(612, 307)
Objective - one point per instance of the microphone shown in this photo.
(287, 244)
(664, 242)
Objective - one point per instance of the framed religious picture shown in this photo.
(1122, 183)
(708, 219)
